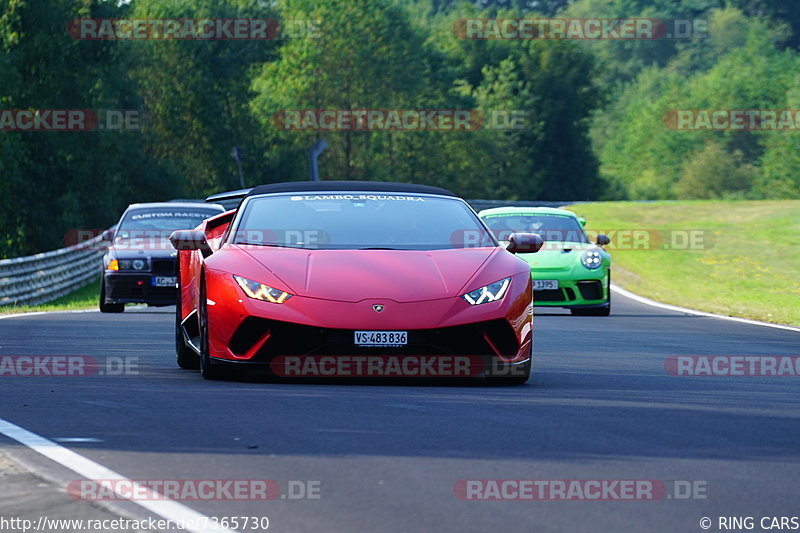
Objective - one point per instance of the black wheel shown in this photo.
(521, 376)
(108, 308)
(207, 368)
(593, 311)
(185, 356)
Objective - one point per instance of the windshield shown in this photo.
(550, 227)
(162, 220)
(354, 220)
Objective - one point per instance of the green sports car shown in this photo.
(569, 271)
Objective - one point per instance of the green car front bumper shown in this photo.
(584, 288)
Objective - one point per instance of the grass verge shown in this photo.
(83, 298)
(748, 267)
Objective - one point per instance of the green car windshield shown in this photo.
(550, 227)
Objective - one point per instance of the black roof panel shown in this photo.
(367, 186)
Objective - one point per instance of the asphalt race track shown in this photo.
(387, 457)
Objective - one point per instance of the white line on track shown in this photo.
(87, 468)
(675, 308)
(36, 313)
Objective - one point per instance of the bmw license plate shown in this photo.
(164, 281)
(545, 284)
(381, 338)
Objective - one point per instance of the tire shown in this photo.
(512, 380)
(184, 356)
(207, 368)
(593, 311)
(108, 308)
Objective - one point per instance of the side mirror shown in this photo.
(582, 221)
(189, 239)
(107, 235)
(602, 240)
(524, 243)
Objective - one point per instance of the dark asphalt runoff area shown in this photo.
(387, 457)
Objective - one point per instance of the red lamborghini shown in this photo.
(336, 278)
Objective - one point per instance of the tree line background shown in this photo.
(595, 108)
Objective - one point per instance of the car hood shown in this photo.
(142, 247)
(356, 275)
(558, 255)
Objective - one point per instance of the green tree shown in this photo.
(56, 181)
(646, 158)
(367, 56)
(197, 93)
(713, 172)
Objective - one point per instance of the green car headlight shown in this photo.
(259, 291)
(592, 259)
(490, 293)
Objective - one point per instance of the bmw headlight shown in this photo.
(127, 264)
(259, 291)
(592, 259)
(490, 293)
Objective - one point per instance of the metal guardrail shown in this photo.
(41, 278)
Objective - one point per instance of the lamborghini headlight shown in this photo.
(490, 293)
(259, 291)
(592, 259)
